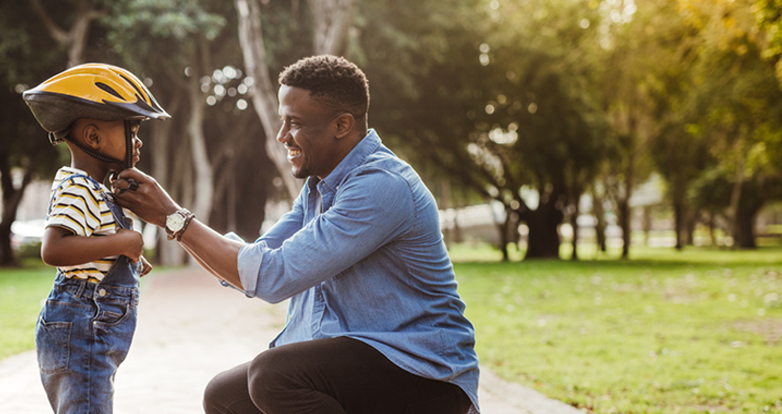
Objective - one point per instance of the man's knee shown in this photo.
(266, 378)
(214, 393)
(225, 389)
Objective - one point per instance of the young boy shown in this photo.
(87, 323)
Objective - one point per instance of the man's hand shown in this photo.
(149, 200)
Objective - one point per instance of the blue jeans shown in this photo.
(84, 332)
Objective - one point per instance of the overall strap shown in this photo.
(119, 217)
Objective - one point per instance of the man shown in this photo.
(375, 324)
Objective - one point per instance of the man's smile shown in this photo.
(293, 152)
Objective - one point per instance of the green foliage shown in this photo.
(478, 92)
(170, 18)
(668, 333)
(768, 14)
(142, 32)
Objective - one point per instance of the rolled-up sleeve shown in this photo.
(370, 209)
(250, 258)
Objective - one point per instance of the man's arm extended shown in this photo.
(214, 252)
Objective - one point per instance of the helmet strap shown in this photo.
(101, 157)
(128, 145)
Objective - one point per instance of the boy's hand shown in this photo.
(145, 266)
(133, 243)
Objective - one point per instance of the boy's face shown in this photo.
(110, 138)
(115, 144)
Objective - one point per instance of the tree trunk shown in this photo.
(600, 224)
(744, 227)
(647, 223)
(11, 199)
(502, 228)
(689, 228)
(712, 226)
(575, 211)
(264, 97)
(623, 216)
(574, 224)
(168, 253)
(332, 21)
(678, 219)
(543, 223)
(738, 183)
(204, 186)
(543, 239)
(444, 205)
(74, 40)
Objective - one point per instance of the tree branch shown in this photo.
(58, 34)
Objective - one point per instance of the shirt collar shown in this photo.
(355, 158)
(72, 170)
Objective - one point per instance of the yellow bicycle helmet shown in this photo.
(96, 91)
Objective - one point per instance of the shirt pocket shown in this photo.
(52, 344)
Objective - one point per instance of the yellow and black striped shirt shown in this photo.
(79, 208)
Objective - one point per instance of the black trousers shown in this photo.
(337, 375)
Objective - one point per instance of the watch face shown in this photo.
(175, 222)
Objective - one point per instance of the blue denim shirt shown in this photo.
(361, 255)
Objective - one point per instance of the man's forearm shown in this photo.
(214, 252)
(204, 265)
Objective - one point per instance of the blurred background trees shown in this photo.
(536, 105)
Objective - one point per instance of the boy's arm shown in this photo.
(61, 247)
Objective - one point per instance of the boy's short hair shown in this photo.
(332, 81)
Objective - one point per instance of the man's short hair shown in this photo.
(332, 81)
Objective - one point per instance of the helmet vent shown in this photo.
(143, 96)
(109, 89)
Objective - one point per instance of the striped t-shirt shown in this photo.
(79, 207)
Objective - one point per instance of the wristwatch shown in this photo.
(176, 223)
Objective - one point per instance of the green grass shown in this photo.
(22, 292)
(696, 331)
(667, 332)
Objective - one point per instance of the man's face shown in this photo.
(308, 132)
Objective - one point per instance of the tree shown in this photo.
(182, 34)
(513, 114)
(74, 39)
(735, 108)
(25, 152)
(332, 19)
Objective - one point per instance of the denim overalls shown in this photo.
(85, 329)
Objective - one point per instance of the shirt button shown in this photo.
(102, 292)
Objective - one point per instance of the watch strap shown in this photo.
(187, 216)
(188, 219)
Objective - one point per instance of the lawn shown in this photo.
(666, 332)
(22, 292)
(697, 331)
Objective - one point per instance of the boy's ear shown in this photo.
(90, 134)
(344, 124)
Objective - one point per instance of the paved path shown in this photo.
(190, 328)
